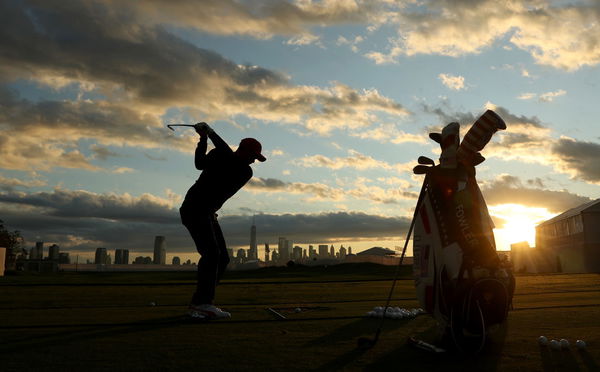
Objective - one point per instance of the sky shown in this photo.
(341, 93)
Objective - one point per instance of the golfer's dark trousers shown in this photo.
(208, 237)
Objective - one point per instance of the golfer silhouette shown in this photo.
(224, 172)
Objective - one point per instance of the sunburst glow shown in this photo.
(519, 223)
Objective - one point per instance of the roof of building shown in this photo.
(376, 251)
(572, 212)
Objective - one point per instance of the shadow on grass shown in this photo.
(565, 360)
(88, 333)
(410, 358)
(361, 327)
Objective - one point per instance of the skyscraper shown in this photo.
(323, 251)
(267, 251)
(253, 251)
(332, 252)
(282, 249)
(53, 252)
(37, 252)
(121, 257)
(100, 258)
(160, 250)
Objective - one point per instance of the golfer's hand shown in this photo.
(203, 129)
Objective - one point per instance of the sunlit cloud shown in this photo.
(453, 82)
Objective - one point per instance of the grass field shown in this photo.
(104, 321)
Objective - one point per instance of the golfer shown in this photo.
(224, 172)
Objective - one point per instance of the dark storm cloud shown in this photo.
(511, 190)
(583, 158)
(79, 220)
(149, 62)
(63, 123)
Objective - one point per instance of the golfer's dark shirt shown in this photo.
(223, 174)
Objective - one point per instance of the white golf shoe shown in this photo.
(208, 311)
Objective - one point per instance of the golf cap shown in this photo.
(253, 147)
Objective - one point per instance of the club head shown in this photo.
(425, 160)
(170, 127)
(421, 169)
(437, 137)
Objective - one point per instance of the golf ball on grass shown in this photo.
(543, 340)
(555, 345)
(580, 344)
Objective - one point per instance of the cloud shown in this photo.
(142, 70)
(9, 184)
(564, 36)
(543, 97)
(78, 220)
(62, 124)
(389, 133)
(507, 189)
(318, 191)
(578, 158)
(452, 82)
(354, 160)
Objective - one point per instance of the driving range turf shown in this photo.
(134, 321)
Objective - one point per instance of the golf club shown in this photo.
(421, 169)
(170, 126)
(365, 342)
(425, 160)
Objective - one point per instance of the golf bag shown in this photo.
(458, 275)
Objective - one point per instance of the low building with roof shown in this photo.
(573, 237)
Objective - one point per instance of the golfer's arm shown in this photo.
(200, 155)
(219, 142)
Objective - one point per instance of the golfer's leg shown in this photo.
(222, 247)
(203, 234)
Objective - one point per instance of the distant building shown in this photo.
(525, 259)
(37, 252)
(349, 250)
(176, 261)
(332, 252)
(573, 238)
(297, 253)
(253, 251)
(160, 250)
(267, 251)
(141, 260)
(121, 256)
(323, 253)
(311, 252)
(100, 257)
(63, 258)
(241, 255)
(343, 252)
(53, 252)
(283, 249)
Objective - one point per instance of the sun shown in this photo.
(519, 223)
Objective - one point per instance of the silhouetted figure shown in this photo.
(224, 172)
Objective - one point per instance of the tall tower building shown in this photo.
(121, 257)
(253, 251)
(53, 252)
(283, 250)
(37, 252)
(267, 251)
(332, 252)
(101, 256)
(160, 250)
(323, 251)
